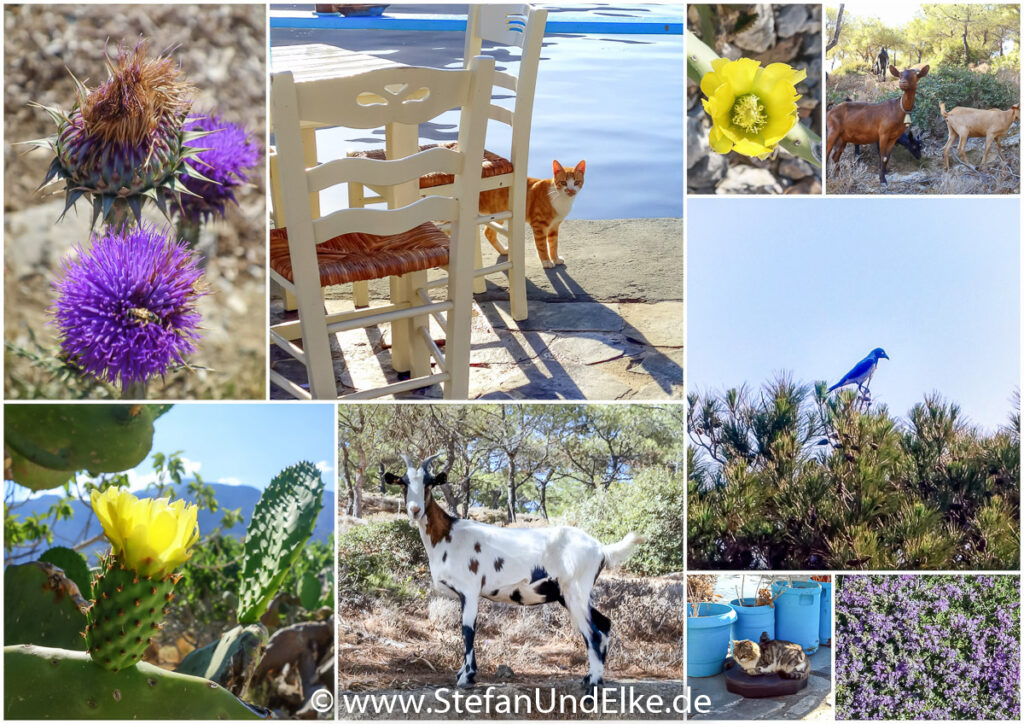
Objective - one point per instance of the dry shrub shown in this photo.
(443, 613)
(850, 176)
(700, 587)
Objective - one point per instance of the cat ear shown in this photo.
(556, 167)
(581, 167)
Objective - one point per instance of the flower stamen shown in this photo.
(748, 113)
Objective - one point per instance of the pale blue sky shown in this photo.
(810, 286)
(247, 443)
(237, 444)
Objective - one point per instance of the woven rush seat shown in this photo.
(493, 165)
(360, 257)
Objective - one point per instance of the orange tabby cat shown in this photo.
(548, 202)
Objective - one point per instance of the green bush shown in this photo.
(1008, 62)
(381, 557)
(652, 505)
(853, 66)
(958, 87)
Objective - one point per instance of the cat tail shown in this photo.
(616, 554)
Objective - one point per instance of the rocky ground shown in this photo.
(814, 702)
(772, 34)
(221, 49)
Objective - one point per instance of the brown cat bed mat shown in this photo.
(759, 687)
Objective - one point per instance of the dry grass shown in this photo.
(418, 642)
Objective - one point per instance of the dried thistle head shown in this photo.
(139, 94)
(126, 141)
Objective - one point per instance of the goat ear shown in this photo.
(391, 479)
(894, 71)
(923, 72)
(440, 479)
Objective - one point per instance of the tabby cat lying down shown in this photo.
(784, 658)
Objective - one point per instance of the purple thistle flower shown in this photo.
(230, 152)
(126, 306)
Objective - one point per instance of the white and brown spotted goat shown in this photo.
(524, 566)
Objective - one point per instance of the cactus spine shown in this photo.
(281, 523)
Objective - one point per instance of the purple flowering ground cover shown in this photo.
(928, 647)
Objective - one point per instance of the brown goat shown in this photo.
(882, 123)
(975, 123)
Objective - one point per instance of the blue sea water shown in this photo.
(614, 100)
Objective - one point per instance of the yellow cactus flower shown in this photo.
(152, 536)
(751, 108)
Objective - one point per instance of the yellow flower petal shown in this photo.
(751, 108)
(741, 74)
(152, 536)
(720, 143)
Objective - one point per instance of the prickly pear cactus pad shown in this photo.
(125, 141)
(42, 606)
(45, 683)
(150, 538)
(281, 524)
(48, 443)
(126, 615)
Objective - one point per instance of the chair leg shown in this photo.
(419, 353)
(316, 344)
(400, 359)
(458, 336)
(479, 283)
(517, 255)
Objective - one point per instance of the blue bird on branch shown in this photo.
(861, 373)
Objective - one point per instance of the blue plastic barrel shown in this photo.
(825, 628)
(751, 620)
(798, 613)
(707, 637)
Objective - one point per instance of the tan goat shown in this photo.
(967, 123)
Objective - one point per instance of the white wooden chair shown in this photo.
(520, 26)
(401, 243)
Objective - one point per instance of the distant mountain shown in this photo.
(84, 525)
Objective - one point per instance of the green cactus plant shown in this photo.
(42, 606)
(74, 566)
(230, 660)
(126, 614)
(47, 683)
(281, 524)
(48, 443)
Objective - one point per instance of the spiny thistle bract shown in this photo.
(126, 306)
(125, 141)
(230, 151)
(149, 539)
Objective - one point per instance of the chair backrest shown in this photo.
(520, 26)
(400, 95)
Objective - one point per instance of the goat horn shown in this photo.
(426, 463)
(405, 458)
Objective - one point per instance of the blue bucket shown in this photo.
(707, 638)
(751, 620)
(825, 627)
(798, 613)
